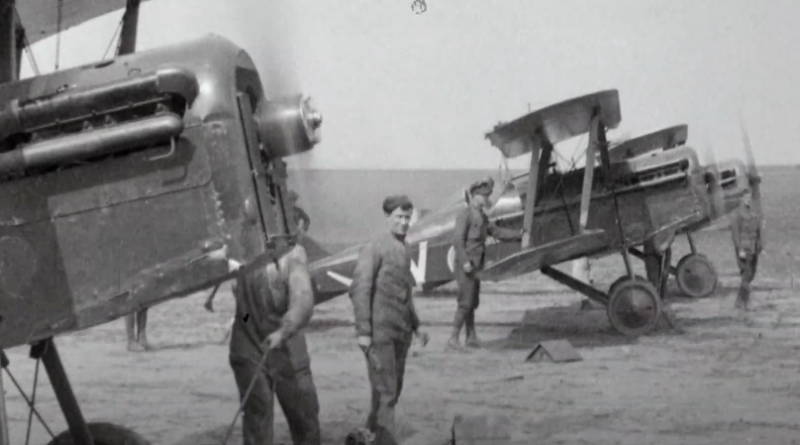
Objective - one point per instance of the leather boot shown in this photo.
(458, 322)
(472, 336)
(743, 297)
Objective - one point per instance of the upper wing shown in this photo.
(665, 138)
(556, 123)
(40, 17)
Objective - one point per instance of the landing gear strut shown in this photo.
(695, 274)
(79, 432)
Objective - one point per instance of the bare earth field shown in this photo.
(728, 378)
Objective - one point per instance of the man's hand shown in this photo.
(468, 268)
(423, 337)
(233, 265)
(364, 343)
(275, 340)
(742, 254)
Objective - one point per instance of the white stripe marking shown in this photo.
(340, 278)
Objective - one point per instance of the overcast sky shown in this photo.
(401, 90)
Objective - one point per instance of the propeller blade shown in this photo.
(715, 185)
(277, 54)
(752, 170)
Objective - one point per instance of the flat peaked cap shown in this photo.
(482, 187)
(394, 201)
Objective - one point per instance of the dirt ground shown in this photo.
(723, 377)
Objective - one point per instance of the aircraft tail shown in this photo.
(313, 249)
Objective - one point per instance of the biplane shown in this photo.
(634, 203)
(128, 182)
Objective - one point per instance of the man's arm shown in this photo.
(301, 295)
(414, 317)
(361, 290)
(306, 220)
(460, 236)
(736, 230)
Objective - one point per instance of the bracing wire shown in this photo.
(28, 51)
(114, 38)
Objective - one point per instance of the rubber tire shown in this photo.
(104, 434)
(680, 270)
(614, 293)
(621, 279)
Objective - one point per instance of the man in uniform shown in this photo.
(385, 316)
(469, 243)
(745, 226)
(301, 218)
(136, 328)
(273, 304)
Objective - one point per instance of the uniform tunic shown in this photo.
(469, 243)
(384, 310)
(746, 231)
(381, 291)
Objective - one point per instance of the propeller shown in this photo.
(717, 198)
(752, 171)
(291, 118)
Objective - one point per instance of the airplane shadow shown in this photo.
(582, 328)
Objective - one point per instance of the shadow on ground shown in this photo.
(581, 327)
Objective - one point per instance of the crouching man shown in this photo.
(273, 304)
(385, 316)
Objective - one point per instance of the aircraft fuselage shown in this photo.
(658, 195)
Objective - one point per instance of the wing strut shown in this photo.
(130, 26)
(540, 158)
(8, 42)
(588, 172)
(530, 198)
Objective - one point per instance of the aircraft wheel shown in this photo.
(621, 280)
(104, 434)
(633, 306)
(696, 276)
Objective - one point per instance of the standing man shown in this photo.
(273, 304)
(469, 243)
(301, 218)
(745, 226)
(137, 338)
(385, 316)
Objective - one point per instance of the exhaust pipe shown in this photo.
(88, 144)
(59, 108)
